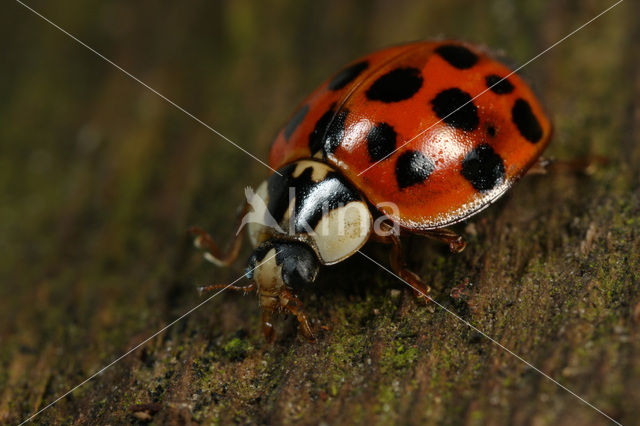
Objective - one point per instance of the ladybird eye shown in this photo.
(248, 273)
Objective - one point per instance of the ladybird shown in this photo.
(407, 140)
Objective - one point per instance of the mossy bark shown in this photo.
(100, 178)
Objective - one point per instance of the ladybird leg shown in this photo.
(267, 326)
(387, 233)
(294, 306)
(587, 165)
(540, 167)
(455, 241)
(245, 289)
(420, 288)
(212, 252)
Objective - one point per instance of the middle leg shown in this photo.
(398, 264)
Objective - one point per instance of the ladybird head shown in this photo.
(277, 265)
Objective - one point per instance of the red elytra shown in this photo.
(465, 147)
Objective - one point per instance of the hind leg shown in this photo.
(455, 241)
(586, 165)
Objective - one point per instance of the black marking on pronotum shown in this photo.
(396, 85)
(483, 168)
(347, 75)
(454, 107)
(498, 85)
(413, 167)
(328, 131)
(310, 197)
(295, 121)
(526, 121)
(381, 141)
(457, 56)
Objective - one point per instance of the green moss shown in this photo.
(237, 348)
(399, 356)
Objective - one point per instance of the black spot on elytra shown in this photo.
(483, 168)
(295, 121)
(316, 138)
(526, 121)
(457, 56)
(310, 197)
(347, 75)
(396, 85)
(491, 131)
(335, 132)
(381, 141)
(498, 85)
(454, 107)
(328, 131)
(413, 167)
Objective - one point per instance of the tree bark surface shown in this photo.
(100, 178)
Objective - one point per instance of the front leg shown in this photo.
(267, 325)
(212, 252)
(245, 289)
(285, 301)
(291, 303)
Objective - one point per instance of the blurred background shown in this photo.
(100, 178)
